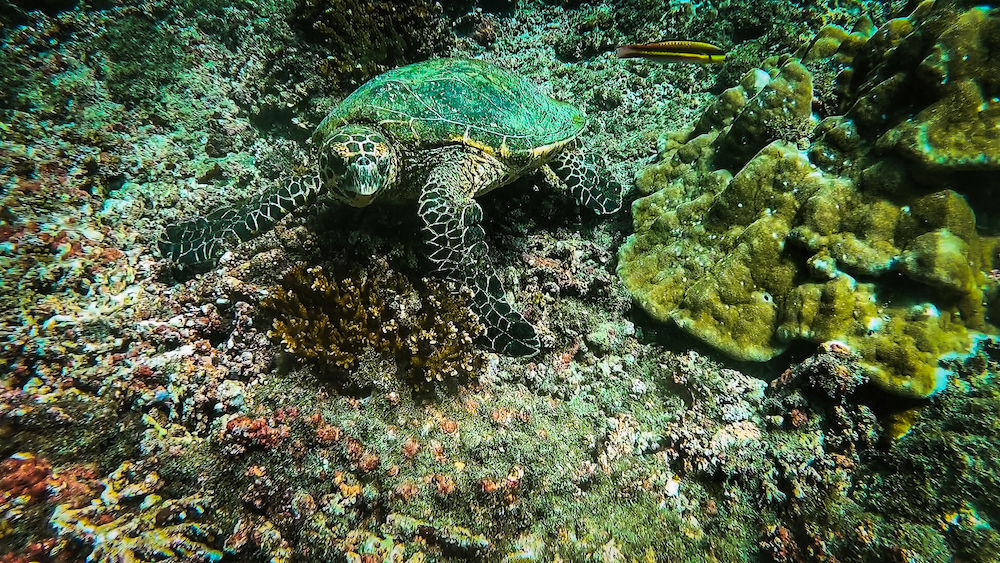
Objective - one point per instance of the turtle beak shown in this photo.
(365, 181)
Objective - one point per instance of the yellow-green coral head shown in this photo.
(358, 163)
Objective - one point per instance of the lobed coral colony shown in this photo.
(841, 193)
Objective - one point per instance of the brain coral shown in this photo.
(833, 195)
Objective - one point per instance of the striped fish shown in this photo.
(674, 52)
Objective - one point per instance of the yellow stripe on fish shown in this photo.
(674, 52)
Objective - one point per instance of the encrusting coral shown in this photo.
(130, 522)
(335, 321)
(831, 195)
(24, 475)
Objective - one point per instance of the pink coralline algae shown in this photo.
(242, 433)
(24, 475)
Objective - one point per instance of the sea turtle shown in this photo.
(439, 132)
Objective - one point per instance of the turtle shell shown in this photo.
(461, 101)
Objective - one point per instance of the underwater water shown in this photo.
(781, 347)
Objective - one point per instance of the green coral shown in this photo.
(336, 321)
(781, 110)
(764, 228)
(957, 131)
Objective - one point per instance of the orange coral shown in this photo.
(24, 475)
(242, 433)
(334, 321)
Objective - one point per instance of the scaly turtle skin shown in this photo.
(440, 132)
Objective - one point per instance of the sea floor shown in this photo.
(152, 413)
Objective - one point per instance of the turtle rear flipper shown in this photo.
(594, 191)
(506, 330)
(458, 250)
(203, 240)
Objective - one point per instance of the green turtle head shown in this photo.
(357, 163)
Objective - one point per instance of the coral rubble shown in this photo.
(770, 222)
(835, 496)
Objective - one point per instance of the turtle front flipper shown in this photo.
(458, 250)
(594, 190)
(203, 240)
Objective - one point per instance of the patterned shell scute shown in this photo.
(445, 101)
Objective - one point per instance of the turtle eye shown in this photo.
(333, 164)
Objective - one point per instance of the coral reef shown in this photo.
(363, 39)
(25, 480)
(765, 227)
(130, 522)
(141, 57)
(335, 321)
(834, 511)
(242, 432)
(615, 443)
(24, 475)
(755, 30)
